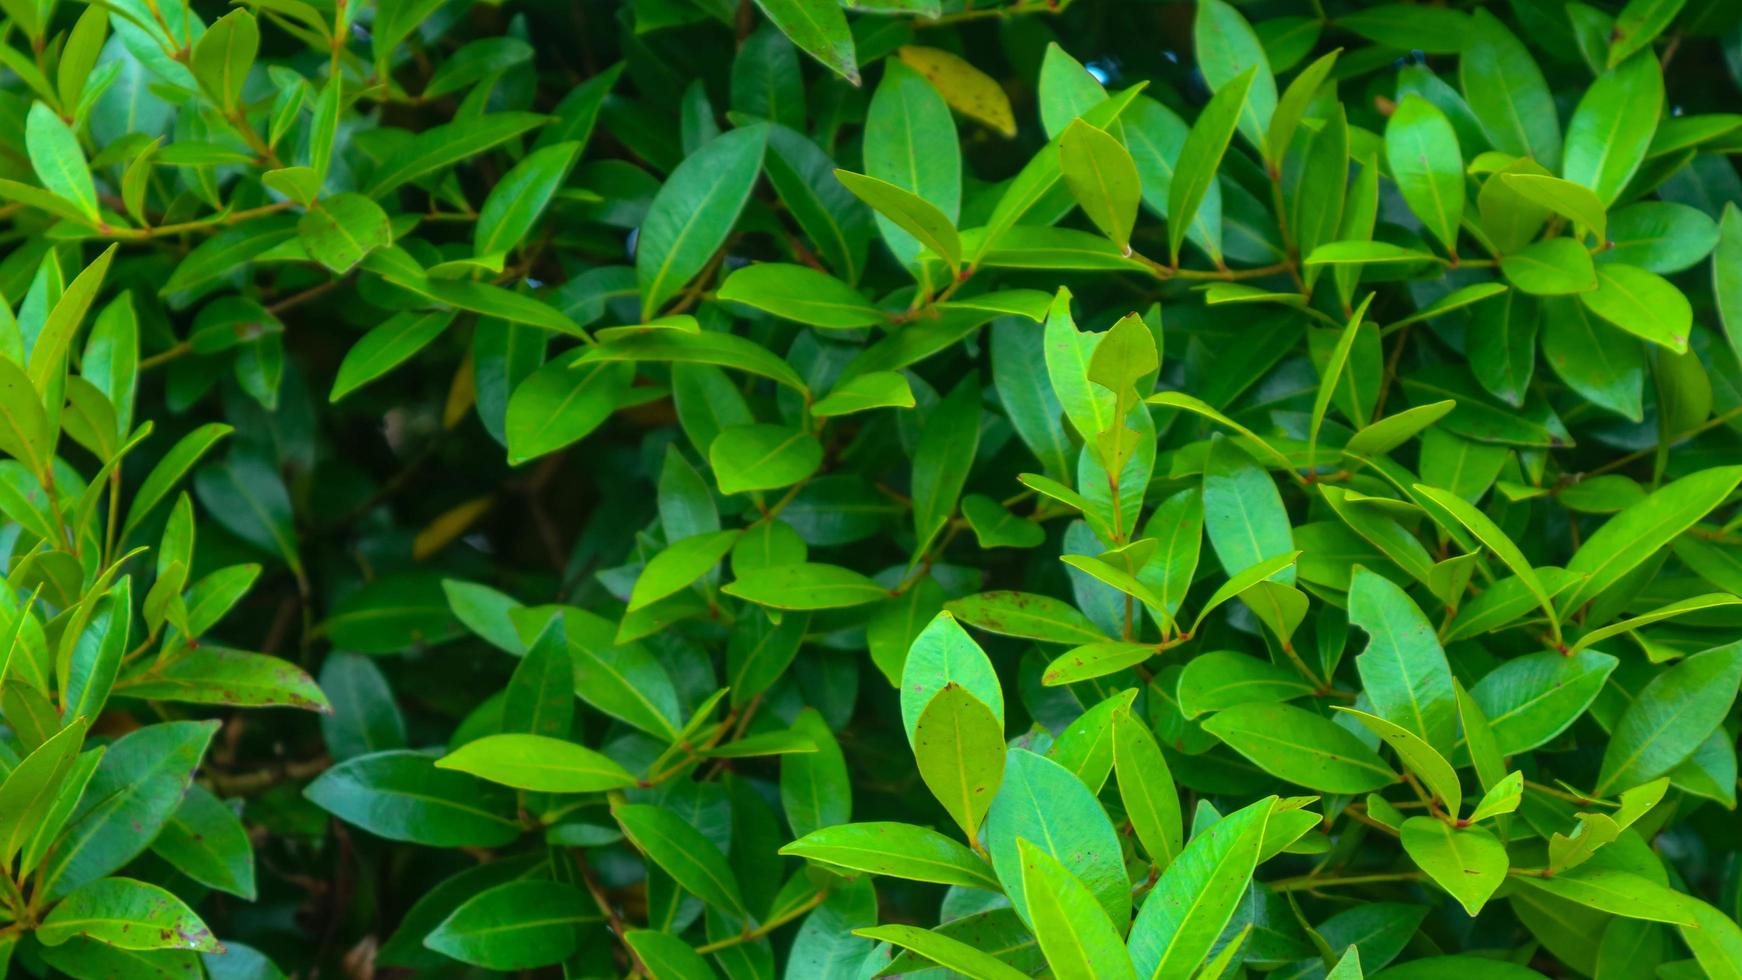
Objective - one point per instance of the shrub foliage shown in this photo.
(1093, 490)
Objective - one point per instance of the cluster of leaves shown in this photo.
(721, 552)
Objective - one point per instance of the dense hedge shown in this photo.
(1097, 489)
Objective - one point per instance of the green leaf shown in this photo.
(897, 850)
(1241, 582)
(211, 674)
(517, 925)
(48, 358)
(441, 147)
(1067, 89)
(815, 791)
(59, 162)
(1030, 304)
(800, 294)
(944, 656)
(1574, 202)
(485, 612)
(910, 142)
(1670, 717)
(1085, 747)
(1243, 512)
(1612, 127)
(29, 791)
(820, 29)
(1606, 367)
(1291, 109)
(1401, 25)
(1034, 187)
(402, 795)
(874, 389)
(1403, 670)
(958, 744)
(1227, 48)
(1660, 237)
(767, 743)
(1069, 353)
(1529, 700)
(942, 459)
(1490, 534)
(1146, 788)
(1027, 615)
(803, 177)
(668, 957)
(91, 650)
(1710, 600)
(131, 795)
(678, 566)
(681, 851)
(520, 198)
(24, 432)
(909, 212)
(249, 496)
(1717, 942)
(1076, 936)
(1631, 946)
(1195, 898)
(1298, 746)
(1503, 798)
(1418, 757)
(1422, 149)
(1222, 679)
(1507, 93)
(126, 914)
(558, 405)
(1124, 361)
(205, 840)
(693, 212)
(537, 762)
(87, 958)
(1483, 747)
(1619, 893)
(1048, 806)
(707, 347)
(1365, 253)
(29, 195)
(223, 55)
(1552, 267)
(1469, 863)
(1095, 659)
(1642, 303)
(323, 129)
(221, 254)
(385, 347)
(1633, 535)
(767, 80)
(623, 681)
(1103, 178)
(1727, 275)
(393, 614)
(1332, 374)
(763, 456)
(943, 950)
(504, 305)
(1058, 249)
(1456, 299)
(805, 586)
(758, 653)
(1637, 24)
(1204, 148)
